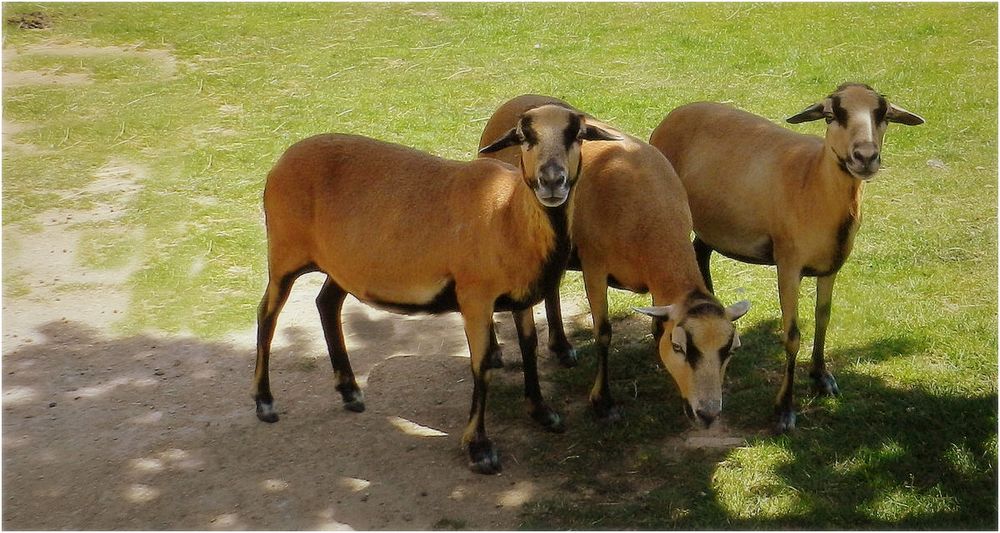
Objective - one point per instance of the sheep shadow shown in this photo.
(882, 455)
(159, 432)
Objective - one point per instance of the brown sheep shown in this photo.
(410, 232)
(630, 227)
(762, 194)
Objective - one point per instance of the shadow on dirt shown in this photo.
(153, 432)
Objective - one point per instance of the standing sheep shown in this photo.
(762, 194)
(630, 228)
(411, 232)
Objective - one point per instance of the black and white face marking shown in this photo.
(697, 352)
(856, 118)
(550, 137)
(550, 152)
(857, 124)
(706, 368)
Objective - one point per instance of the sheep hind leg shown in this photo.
(789, 280)
(527, 337)
(495, 357)
(330, 303)
(275, 296)
(822, 378)
(600, 394)
(703, 253)
(558, 343)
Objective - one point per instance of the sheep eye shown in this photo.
(678, 348)
(828, 118)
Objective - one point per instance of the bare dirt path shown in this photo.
(158, 432)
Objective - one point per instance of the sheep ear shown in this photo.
(813, 112)
(590, 132)
(738, 309)
(901, 116)
(511, 138)
(663, 311)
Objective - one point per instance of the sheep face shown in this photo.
(550, 137)
(856, 118)
(697, 352)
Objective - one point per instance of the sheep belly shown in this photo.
(759, 251)
(436, 299)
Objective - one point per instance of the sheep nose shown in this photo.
(551, 175)
(706, 417)
(708, 411)
(866, 155)
(552, 179)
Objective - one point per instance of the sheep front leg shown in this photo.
(822, 378)
(528, 339)
(789, 280)
(478, 317)
(558, 343)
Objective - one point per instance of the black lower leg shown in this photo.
(703, 253)
(785, 407)
(822, 379)
(600, 396)
(558, 343)
(262, 381)
(267, 316)
(330, 302)
(528, 339)
(483, 456)
(494, 359)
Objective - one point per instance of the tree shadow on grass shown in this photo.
(881, 456)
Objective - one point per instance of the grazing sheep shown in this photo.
(630, 228)
(762, 194)
(410, 232)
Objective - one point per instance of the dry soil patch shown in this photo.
(163, 59)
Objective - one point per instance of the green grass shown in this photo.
(911, 443)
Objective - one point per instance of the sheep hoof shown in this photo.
(483, 458)
(825, 383)
(356, 406)
(354, 399)
(568, 357)
(786, 422)
(495, 359)
(606, 411)
(266, 412)
(549, 419)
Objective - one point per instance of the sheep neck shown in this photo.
(837, 187)
(546, 232)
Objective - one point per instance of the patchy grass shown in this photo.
(912, 441)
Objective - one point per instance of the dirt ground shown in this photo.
(158, 431)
